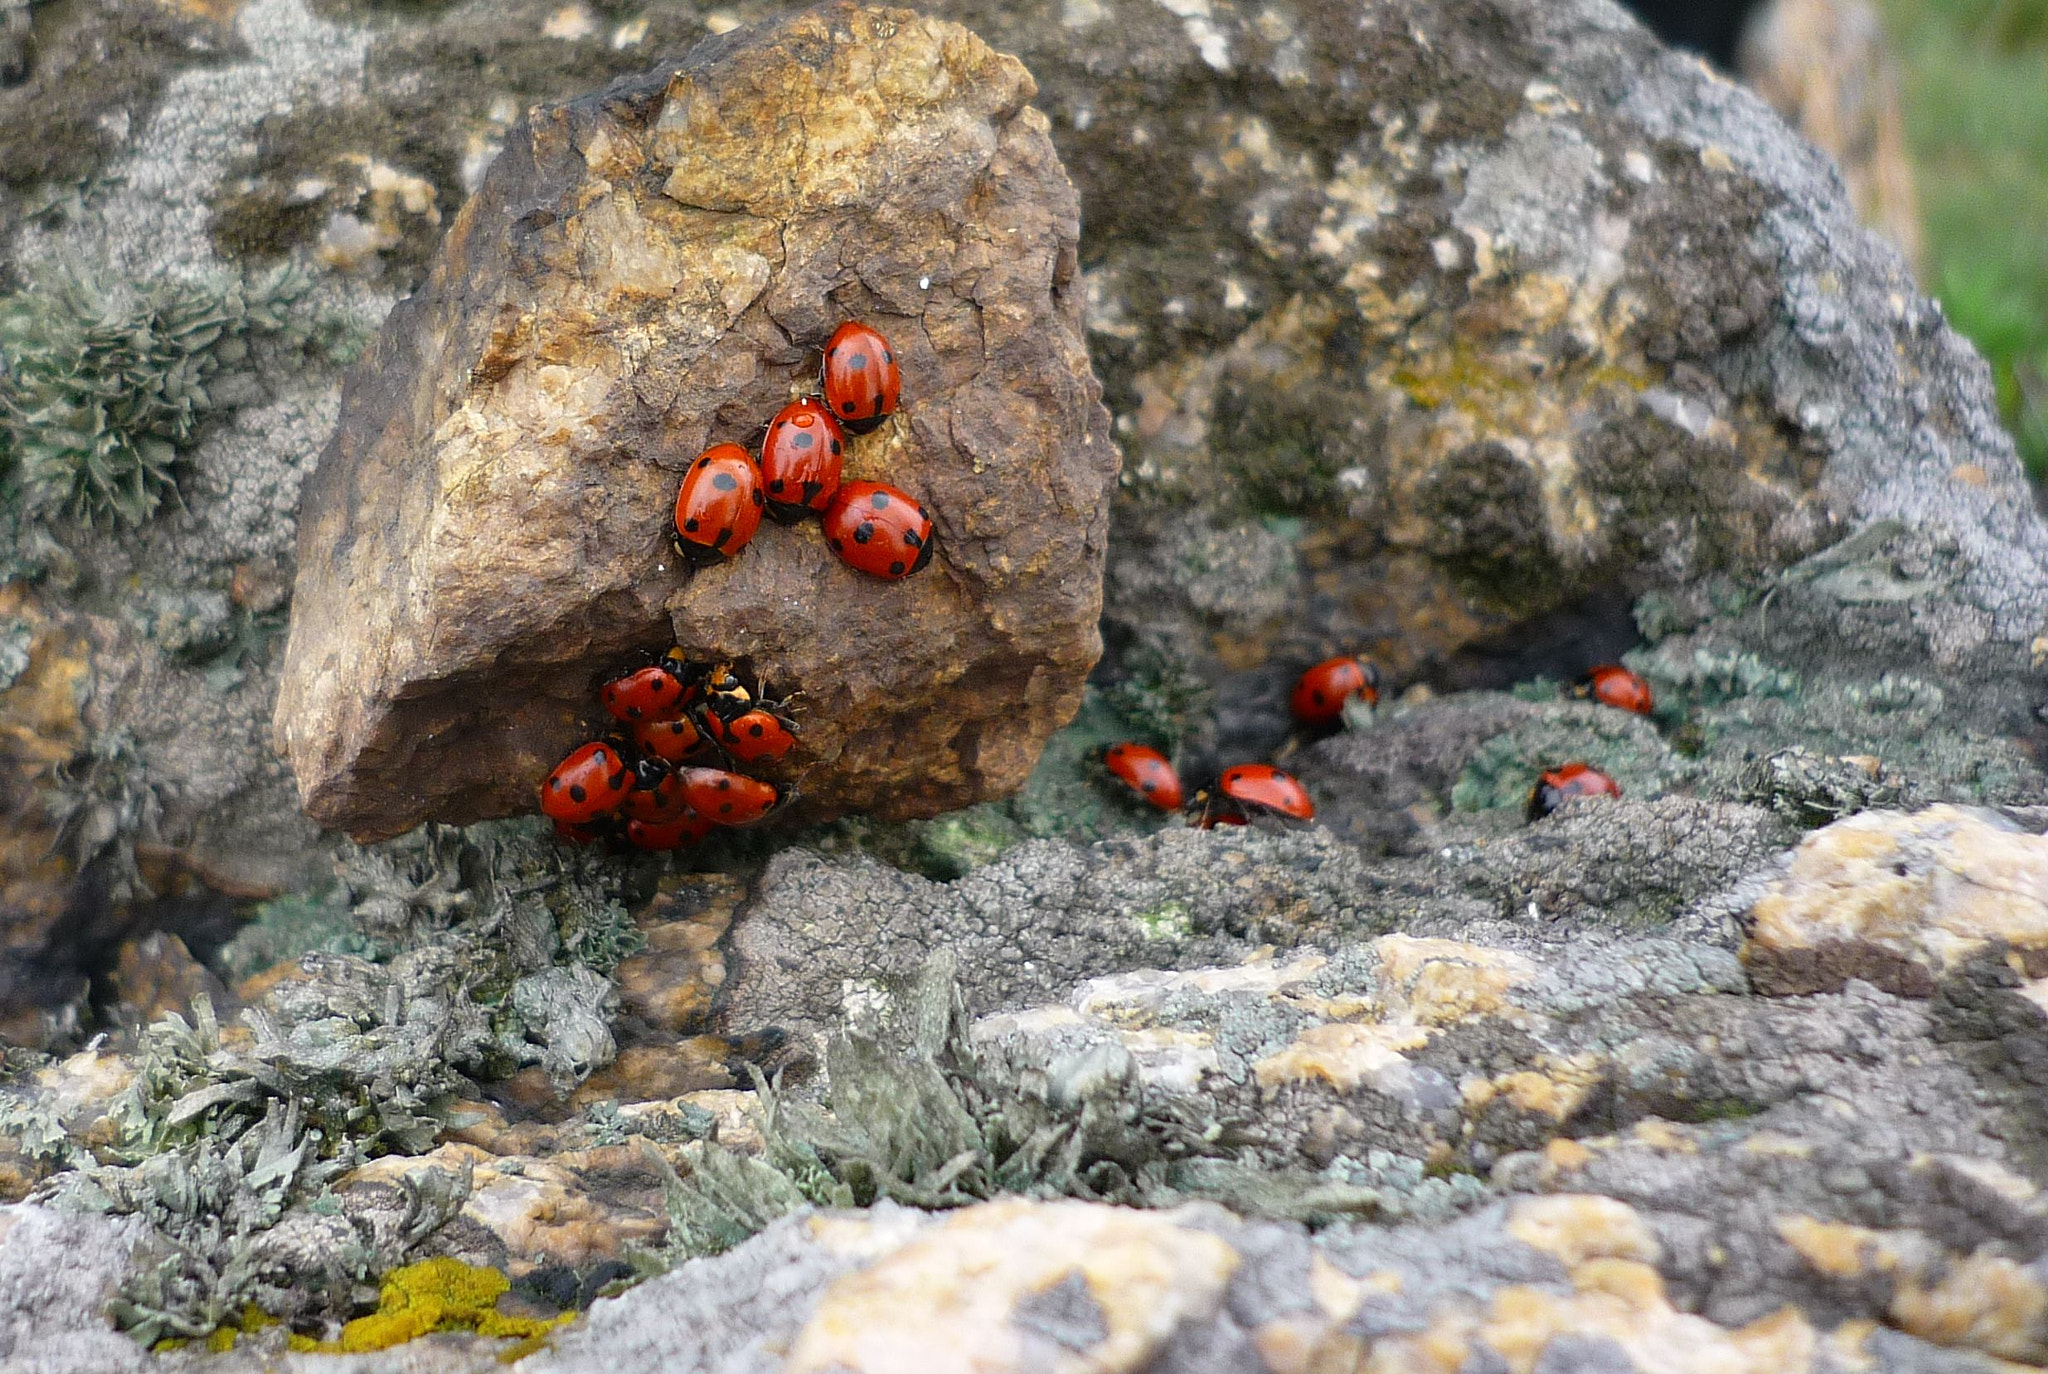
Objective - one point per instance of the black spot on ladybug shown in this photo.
(811, 490)
(759, 499)
(803, 440)
(725, 481)
(555, 784)
(724, 784)
(835, 446)
(846, 406)
(1315, 694)
(756, 731)
(775, 485)
(910, 538)
(576, 792)
(880, 500)
(888, 357)
(1148, 786)
(617, 780)
(723, 535)
(633, 711)
(865, 532)
(896, 568)
(724, 808)
(858, 362)
(837, 546)
(690, 525)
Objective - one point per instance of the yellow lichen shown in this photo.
(434, 1295)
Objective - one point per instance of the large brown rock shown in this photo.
(651, 270)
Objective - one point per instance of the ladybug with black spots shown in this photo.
(651, 693)
(859, 377)
(879, 530)
(748, 727)
(656, 795)
(1558, 786)
(719, 505)
(1252, 789)
(1147, 772)
(1610, 684)
(725, 798)
(671, 741)
(801, 458)
(592, 782)
(1320, 693)
(688, 828)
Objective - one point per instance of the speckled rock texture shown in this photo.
(646, 273)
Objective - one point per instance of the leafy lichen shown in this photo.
(105, 383)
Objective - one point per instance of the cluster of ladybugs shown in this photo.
(639, 785)
(645, 784)
(1318, 700)
(871, 526)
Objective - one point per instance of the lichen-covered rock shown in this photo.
(487, 534)
(1902, 901)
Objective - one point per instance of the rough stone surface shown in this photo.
(1902, 901)
(651, 271)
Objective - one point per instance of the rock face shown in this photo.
(649, 271)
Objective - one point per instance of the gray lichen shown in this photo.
(105, 383)
(914, 1115)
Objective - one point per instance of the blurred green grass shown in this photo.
(1975, 74)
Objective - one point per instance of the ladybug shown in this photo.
(753, 735)
(878, 530)
(687, 828)
(581, 834)
(1560, 785)
(860, 379)
(1147, 773)
(671, 741)
(1610, 684)
(800, 460)
(1253, 789)
(718, 507)
(657, 794)
(591, 782)
(649, 694)
(1321, 692)
(746, 728)
(728, 798)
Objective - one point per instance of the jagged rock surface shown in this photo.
(651, 271)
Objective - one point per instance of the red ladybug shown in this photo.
(800, 460)
(1147, 773)
(580, 834)
(657, 794)
(648, 694)
(879, 530)
(1252, 789)
(671, 741)
(728, 798)
(718, 507)
(861, 381)
(753, 735)
(1321, 692)
(745, 727)
(1610, 684)
(1560, 785)
(591, 782)
(687, 828)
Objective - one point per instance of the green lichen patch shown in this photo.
(1501, 772)
(105, 383)
(917, 1116)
